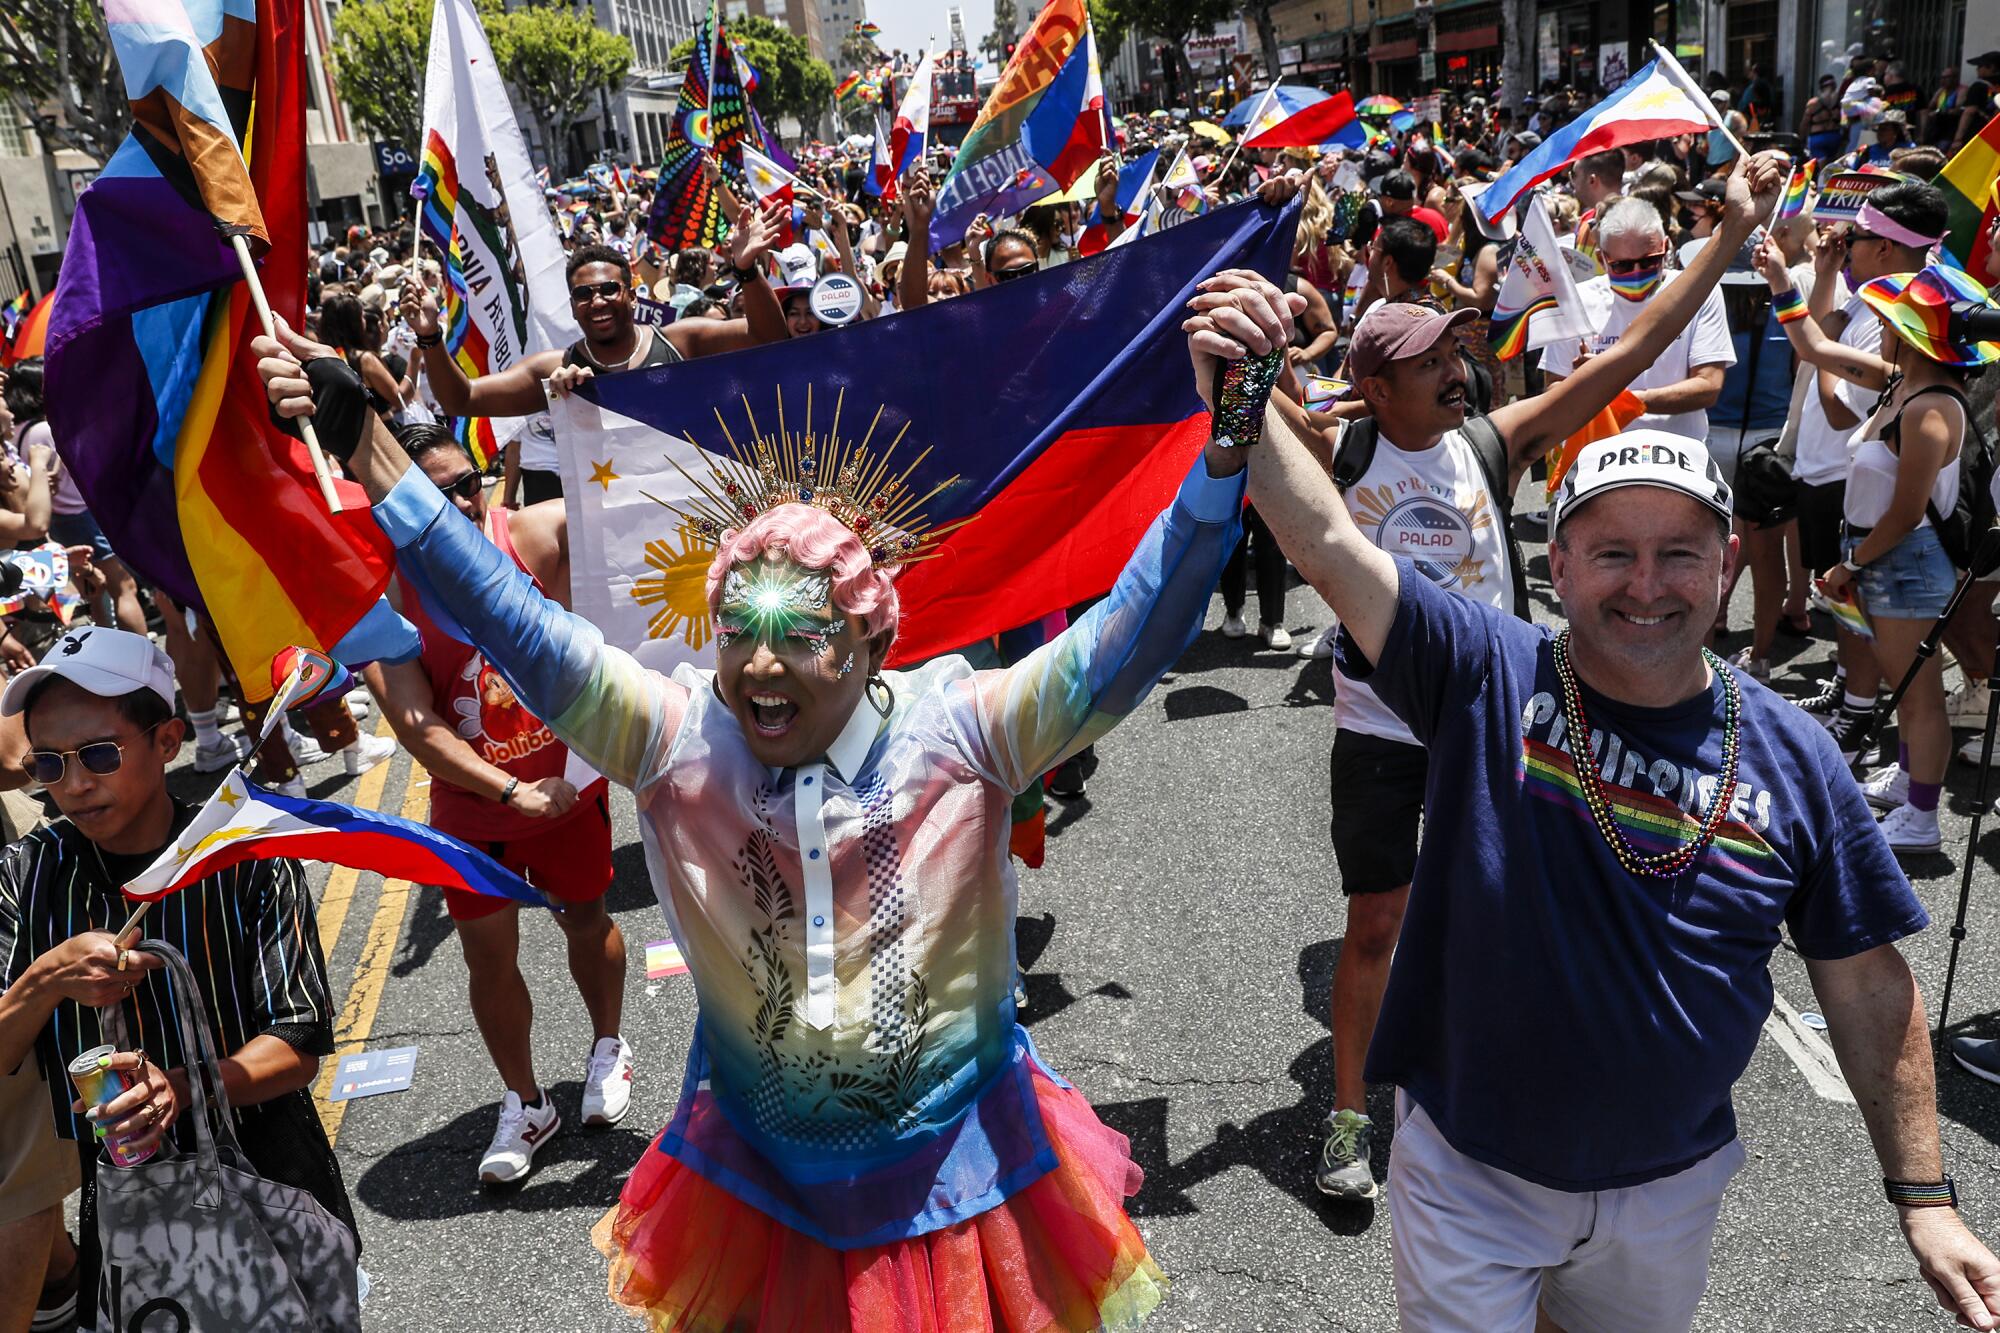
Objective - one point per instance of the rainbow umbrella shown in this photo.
(30, 333)
(1377, 105)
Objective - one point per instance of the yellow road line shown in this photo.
(371, 970)
(339, 895)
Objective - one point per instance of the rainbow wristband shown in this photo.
(1788, 305)
(1922, 1194)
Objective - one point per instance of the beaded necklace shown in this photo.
(1660, 865)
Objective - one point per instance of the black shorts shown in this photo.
(1821, 512)
(1378, 802)
(537, 486)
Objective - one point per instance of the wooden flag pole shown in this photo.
(1679, 74)
(320, 470)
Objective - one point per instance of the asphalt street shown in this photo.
(1177, 948)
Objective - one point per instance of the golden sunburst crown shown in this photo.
(849, 479)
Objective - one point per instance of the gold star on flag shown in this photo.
(602, 474)
(228, 795)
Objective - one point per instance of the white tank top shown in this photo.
(1871, 478)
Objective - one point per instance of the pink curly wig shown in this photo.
(812, 539)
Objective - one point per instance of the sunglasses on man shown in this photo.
(586, 292)
(103, 758)
(1625, 267)
(465, 488)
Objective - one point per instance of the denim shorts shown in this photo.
(1912, 582)
(81, 530)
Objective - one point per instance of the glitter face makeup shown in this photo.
(777, 602)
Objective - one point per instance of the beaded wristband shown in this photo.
(1788, 305)
(1922, 1194)
(1241, 390)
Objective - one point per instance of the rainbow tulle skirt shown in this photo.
(1057, 1255)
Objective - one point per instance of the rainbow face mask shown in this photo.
(1637, 286)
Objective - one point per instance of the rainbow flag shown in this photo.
(713, 119)
(1971, 185)
(848, 86)
(1797, 191)
(12, 314)
(1846, 612)
(152, 390)
(867, 29)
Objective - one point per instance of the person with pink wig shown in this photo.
(866, 1138)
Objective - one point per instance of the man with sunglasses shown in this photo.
(500, 781)
(1679, 386)
(599, 279)
(101, 730)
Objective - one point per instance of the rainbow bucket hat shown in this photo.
(1928, 309)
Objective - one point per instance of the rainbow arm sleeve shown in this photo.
(611, 711)
(1073, 689)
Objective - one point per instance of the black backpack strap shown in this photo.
(1491, 451)
(1355, 452)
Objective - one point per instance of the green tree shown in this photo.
(790, 80)
(380, 48)
(57, 75)
(558, 61)
(1171, 22)
(994, 44)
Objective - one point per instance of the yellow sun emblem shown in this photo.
(679, 591)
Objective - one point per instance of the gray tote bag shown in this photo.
(202, 1243)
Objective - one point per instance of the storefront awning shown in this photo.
(1406, 49)
(1469, 39)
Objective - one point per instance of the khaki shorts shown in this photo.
(37, 1169)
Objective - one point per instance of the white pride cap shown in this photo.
(106, 662)
(1642, 458)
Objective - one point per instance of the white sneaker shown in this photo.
(295, 788)
(1320, 646)
(1233, 627)
(357, 701)
(522, 1133)
(1969, 752)
(1886, 788)
(607, 1082)
(1276, 638)
(1966, 705)
(366, 752)
(227, 752)
(306, 750)
(1909, 829)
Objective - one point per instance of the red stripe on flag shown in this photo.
(359, 848)
(1309, 126)
(1058, 534)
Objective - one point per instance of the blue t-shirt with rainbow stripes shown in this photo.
(1556, 1016)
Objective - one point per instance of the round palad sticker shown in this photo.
(836, 299)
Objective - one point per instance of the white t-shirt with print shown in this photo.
(1703, 342)
(1432, 505)
(1825, 450)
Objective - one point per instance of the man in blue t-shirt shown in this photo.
(1583, 968)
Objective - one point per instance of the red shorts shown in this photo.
(572, 861)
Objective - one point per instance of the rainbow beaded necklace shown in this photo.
(1660, 865)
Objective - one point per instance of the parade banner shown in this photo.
(152, 387)
(505, 297)
(1041, 127)
(1842, 193)
(1067, 422)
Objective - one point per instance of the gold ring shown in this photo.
(121, 959)
(152, 1115)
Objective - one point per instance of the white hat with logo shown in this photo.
(1644, 457)
(107, 662)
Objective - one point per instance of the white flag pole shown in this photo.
(1676, 72)
(1249, 127)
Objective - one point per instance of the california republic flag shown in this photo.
(484, 211)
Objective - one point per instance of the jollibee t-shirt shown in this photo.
(1557, 1016)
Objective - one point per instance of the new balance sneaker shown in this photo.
(1320, 646)
(1757, 668)
(1970, 751)
(1886, 788)
(1827, 702)
(1909, 829)
(226, 752)
(607, 1082)
(1846, 728)
(524, 1130)
(1233, 627)
(1966, 705)
(1977, 1057)
(1276, 638)
(366, 752)
(1343, 1160)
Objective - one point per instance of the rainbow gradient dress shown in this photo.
(866, 1139)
